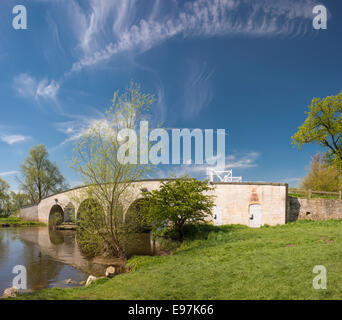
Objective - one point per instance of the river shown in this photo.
(50, 257)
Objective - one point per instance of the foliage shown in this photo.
(235, 262)
(321, 176)
(17, 222)
(134, 217)
(10, 202)
(323, 126)
(18, 200)
(108, 178)
(90, 219)
(313, 196)
(4, 197)
(176, 203)
(55, 219)
(40, 177)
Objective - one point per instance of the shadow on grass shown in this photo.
(201, 232)
(204, 235)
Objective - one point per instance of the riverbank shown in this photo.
(229, 262)
(17, 222)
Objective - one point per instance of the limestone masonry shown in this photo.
(314, 209)
(252, 204)
(248, 203)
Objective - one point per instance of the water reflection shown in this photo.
(140, 244)
(48, 264)
(61, 246)
(51, 257)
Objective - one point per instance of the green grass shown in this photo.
(313, 196)
(233, 262)
(17, 222)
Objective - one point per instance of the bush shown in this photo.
(177, 203)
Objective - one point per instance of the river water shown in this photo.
(50, 257)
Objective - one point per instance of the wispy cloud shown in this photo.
(239, 161)
(242, 161)
(105, 28)
(29, 87)
(15, 138)
(73, 130)
(198, 91)
(161, 103)
(8, 173)
(105, 15)
(204, 18)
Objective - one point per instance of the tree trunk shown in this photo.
(180, 232)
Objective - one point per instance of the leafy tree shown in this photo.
(40, 177)
(176, 203)
(4, 197)
(321, 176)
(323, 126)
(96, 160)
(18, 200)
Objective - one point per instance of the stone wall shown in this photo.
(75, 196)
(234, 200)
(314, 209)
(29, 213)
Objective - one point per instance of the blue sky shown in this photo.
(250, 67)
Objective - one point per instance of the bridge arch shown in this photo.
(69, 213)
(56, 215)
(134, 216)
(87, 207)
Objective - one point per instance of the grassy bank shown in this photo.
(234, 262)
(17, 222)
(313, 196)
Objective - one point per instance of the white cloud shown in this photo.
(15, 138)
(25, 85)
(8, 173)
(29, 87)
(161, 103)
(119, 13)
(75, 129)
(242, 161)
(84, 125)
(198, 90)
(72, 129)
(237, 161)
(204, 18)
(46, 89)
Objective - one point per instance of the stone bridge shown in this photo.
(247, 203)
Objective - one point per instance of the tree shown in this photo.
(97, 160)
(40, 177)
(4, 197)
(18, 200)
(321, 176)
(323, 126)
(176, 203)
